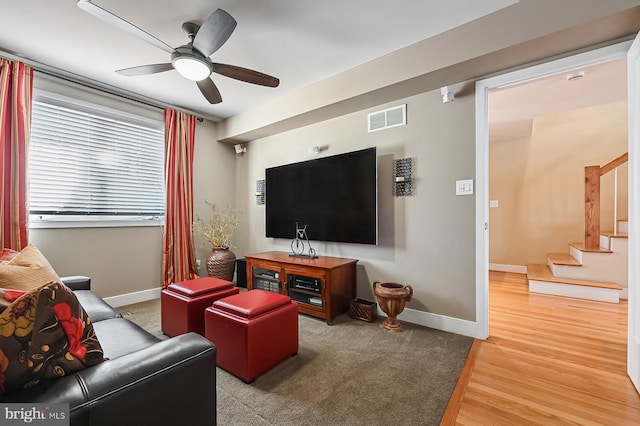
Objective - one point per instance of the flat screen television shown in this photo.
(335, 197)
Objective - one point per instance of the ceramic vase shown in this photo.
(221, 263)
(392, 298)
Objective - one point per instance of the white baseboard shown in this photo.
(439, 322)
(518, 269)
(135, 297)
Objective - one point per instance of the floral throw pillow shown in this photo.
(45, 334)
(7, 254)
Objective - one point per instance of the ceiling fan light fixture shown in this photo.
(191, 67)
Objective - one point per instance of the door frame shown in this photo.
(633, 87)
(483, 88)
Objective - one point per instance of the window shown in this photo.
(92, 164)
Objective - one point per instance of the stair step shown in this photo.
(563, 259)
(580, 246)
(543, 273)
(610, 234)
(541, 280)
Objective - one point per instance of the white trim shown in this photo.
(135, 297)
(517, 269)
(578, 291)
(483, 87)
(54, 222)
(633, 282)
(482, 211)
(436, 321)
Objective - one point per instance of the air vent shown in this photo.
(392, 117)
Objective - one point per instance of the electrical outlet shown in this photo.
(198, 263)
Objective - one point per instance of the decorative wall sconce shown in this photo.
(260, 192)
(403, 176)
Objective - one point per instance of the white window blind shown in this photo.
(86, 160)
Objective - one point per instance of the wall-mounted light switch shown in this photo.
(464, 187)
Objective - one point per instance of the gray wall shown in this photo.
(426, 240)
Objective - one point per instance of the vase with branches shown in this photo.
(218, 230)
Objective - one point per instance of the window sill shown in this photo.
(56, 223)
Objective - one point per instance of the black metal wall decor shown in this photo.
(403, 177)
(260, 192)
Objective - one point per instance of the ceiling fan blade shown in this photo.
(246, 75)
(116, 21)
(209, 90)
(214, 32)
(145, 69)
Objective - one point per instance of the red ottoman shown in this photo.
(183, 303)
(253, 332)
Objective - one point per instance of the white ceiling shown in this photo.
(298, 41)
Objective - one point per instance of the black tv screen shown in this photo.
(335, 197)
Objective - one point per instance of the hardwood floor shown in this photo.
(548, 361)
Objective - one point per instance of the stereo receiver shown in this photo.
(305, 283)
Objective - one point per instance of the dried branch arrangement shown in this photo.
(219, 229)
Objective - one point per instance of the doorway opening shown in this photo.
(506, 126)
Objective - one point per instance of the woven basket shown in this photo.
(363, 310)
(221, 263)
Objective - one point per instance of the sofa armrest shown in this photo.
(166, 383)
(77, 282)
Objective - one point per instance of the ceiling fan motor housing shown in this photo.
(190, 63)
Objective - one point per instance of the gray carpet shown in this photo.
(351, 373)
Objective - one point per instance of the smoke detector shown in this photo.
(575, 76)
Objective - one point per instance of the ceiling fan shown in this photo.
(191, 60)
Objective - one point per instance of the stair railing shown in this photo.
(592, 176)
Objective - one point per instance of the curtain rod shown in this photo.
(96, 85)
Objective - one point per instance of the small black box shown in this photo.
(241, 273)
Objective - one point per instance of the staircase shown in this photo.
(596, 269)
(594, 274)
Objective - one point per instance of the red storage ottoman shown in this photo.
(253, 331)
(183, 303)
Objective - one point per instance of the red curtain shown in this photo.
(16, 92)
(178, 253)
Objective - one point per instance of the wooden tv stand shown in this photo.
(323, 287)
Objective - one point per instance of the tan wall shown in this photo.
(426, 240)
(538, 181)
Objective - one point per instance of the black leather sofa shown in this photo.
(145, 381)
